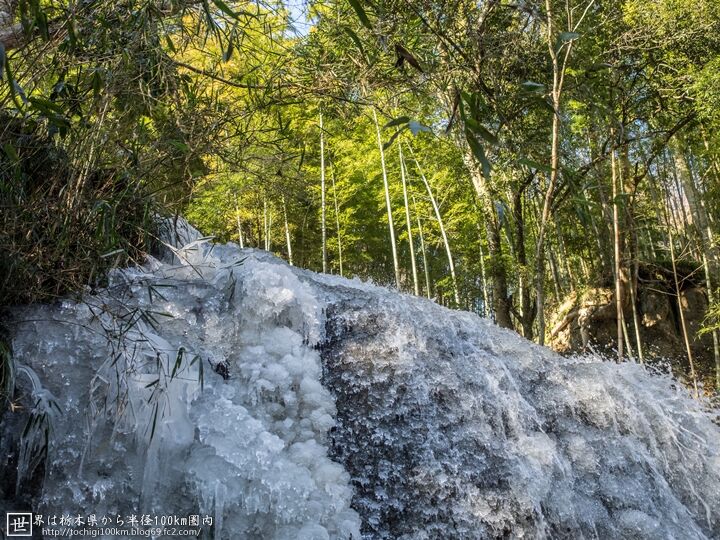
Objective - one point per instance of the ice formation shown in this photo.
(294, 405)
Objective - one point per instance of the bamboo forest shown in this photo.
(324, 269)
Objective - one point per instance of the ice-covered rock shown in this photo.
(289, 404)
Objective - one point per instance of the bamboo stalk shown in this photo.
(337, 220)
(486, 300)
(682, 315)
(422, 250)
(287, 232)
(443, 233)
(408, 224)
(391, 226)
(239, 224)
(322, 196)
(616, 242)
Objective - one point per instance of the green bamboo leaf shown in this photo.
(155, 415)
(397, 122)
(481, 131)
(170, 44)
(201, 376)
(225, 8)
(394, 136)
(15, 88)
(565, 37)
(45, 106)
(355, 40)
(178, 145)
(10, 152)
(479, 152)
(178, 361)
(41, 22)
(599, 66)
(97, 84)
(487, 135)
(227, 53)
(534, 164)
(72, 34)
(360, 11)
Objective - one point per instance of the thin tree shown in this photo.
(408, 222)
(322, 196)
(267, 223)
(239, 225)
(337, 220)
(666, 197)
(486, 300)
(393, 245)
(683, 324)
(443, 233)
(422, 250)
(287, 232)
(559, 57)
(617, 252)
(703, 235)
(497, 273)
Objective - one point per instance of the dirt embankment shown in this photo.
(587, 321)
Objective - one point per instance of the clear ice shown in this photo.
(294, 405)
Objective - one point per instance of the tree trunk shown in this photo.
(287, 232)
(422, 250)
(662, 192)
(566, 261)
(267, 222)
(683, 325)
(451, 264)
(704, 237)
(617, 250)
(391, 226)
(239, 226)
(337, 221)
(716, 339)
(486, 299)
(696, 206)
(322, 196)
(498, 275)
(558, 78)
(557, 280)
(633, 301)
(527, 314)
(408, 222)
(711, 285)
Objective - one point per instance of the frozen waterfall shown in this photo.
(294, 405)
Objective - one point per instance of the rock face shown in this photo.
(289, 404)
(588, 322)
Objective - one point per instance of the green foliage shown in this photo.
(49, 248)
(712, 321)
(212, 109)
(104, 122)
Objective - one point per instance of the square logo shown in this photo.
(19, 524)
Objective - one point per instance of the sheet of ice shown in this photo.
(292, 405)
